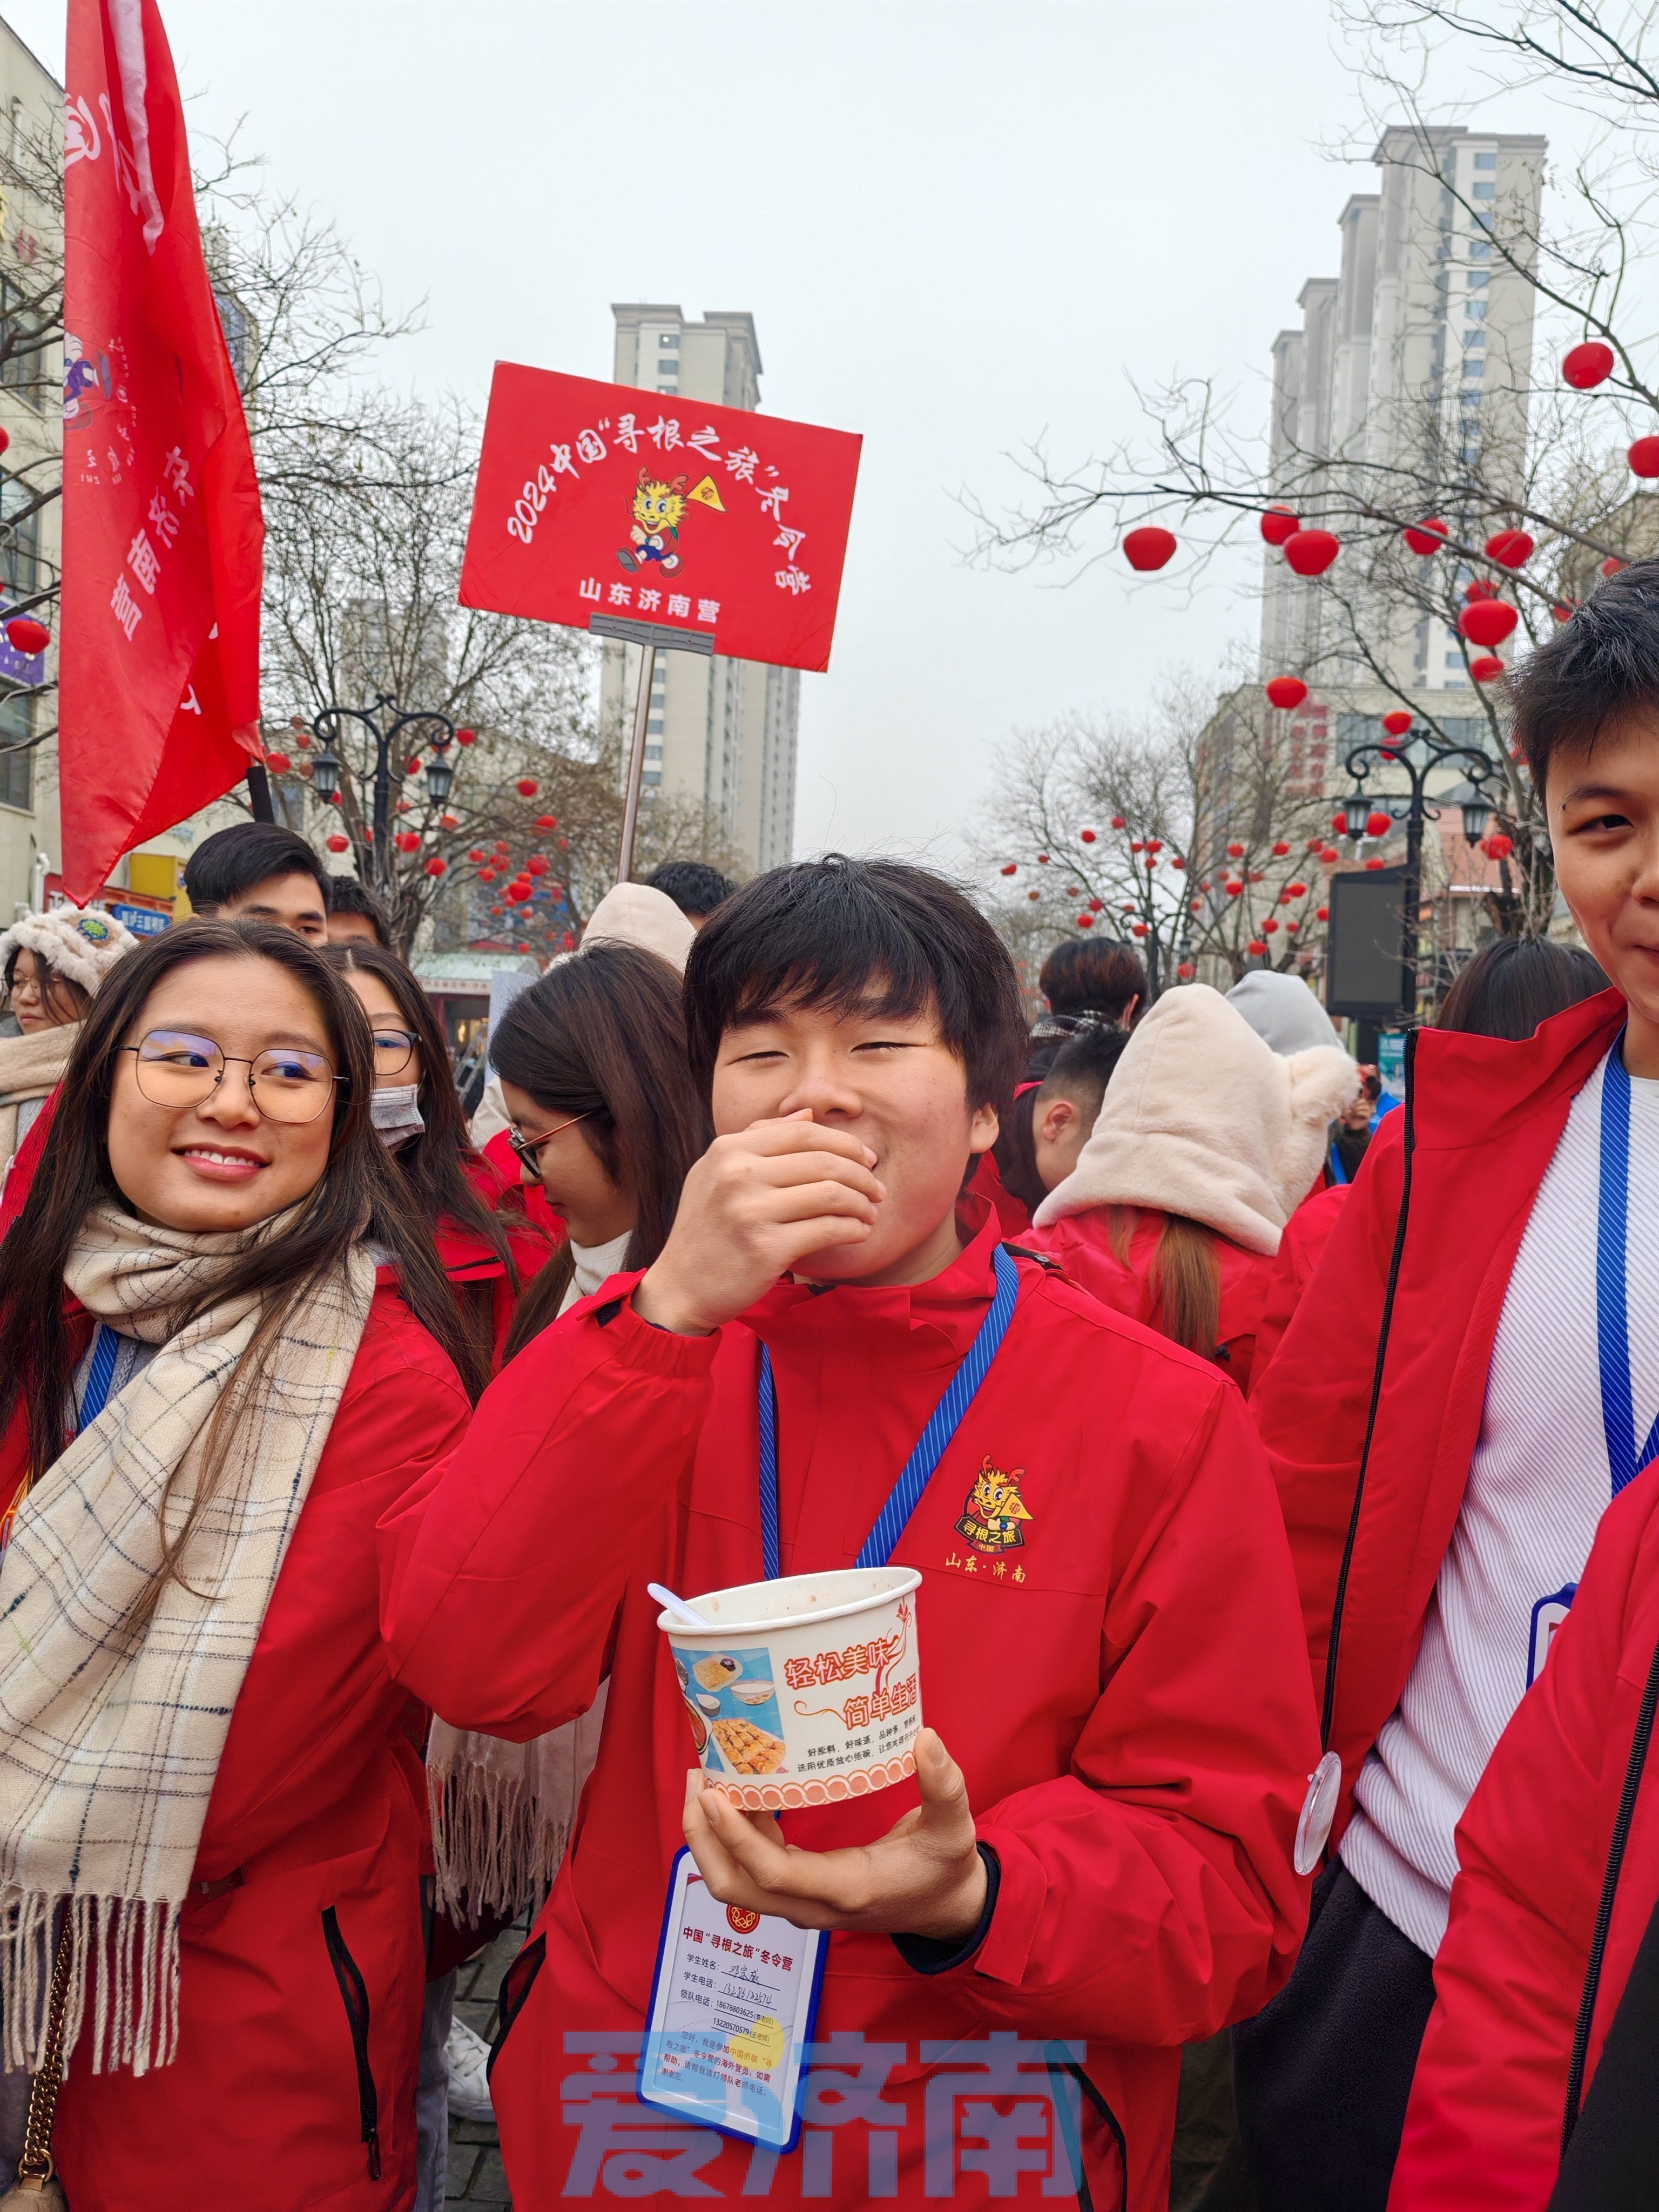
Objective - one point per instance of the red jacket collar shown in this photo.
(1476, 1090)
(946, 1310)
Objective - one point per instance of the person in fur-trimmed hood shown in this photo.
(1208, 1142)
(52, 965)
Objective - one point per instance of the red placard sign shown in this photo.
(604, 498)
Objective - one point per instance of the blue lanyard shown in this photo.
(1339, 1173)
(1611, 1315)
(942, 1425)
(101, 1374)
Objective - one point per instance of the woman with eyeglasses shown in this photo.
(489, 1247)
(226, 1349)
(593, 1069)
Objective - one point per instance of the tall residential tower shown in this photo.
(721, 734)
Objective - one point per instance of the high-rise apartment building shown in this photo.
(1420, 347)
(721, 734)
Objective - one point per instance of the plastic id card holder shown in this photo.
(733, 2004)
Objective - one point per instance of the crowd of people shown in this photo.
(1274, 1454)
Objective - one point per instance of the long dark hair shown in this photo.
(434, 1163)
(1514, 983)
(603, 1035)
(359, 1195)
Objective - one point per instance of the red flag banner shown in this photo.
(605, 499)
(159, 633)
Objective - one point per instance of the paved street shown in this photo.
(476, 2174)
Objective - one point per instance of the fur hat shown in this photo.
(1204, 1119)
(634, 914)
(82, 943)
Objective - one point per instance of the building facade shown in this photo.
(1412, 365)
(722, 734)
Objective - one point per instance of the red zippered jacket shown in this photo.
(1484, 2126)
(1409, 1294)
(1125, 1691)
(300, 1985)
(1082, 1244)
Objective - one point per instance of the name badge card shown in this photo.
(733, 2009)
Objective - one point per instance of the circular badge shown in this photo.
(93, 928)
(740, 1917)
(1318, 1811)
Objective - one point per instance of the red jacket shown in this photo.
(1082, 1244)
(1307, 1233)
(1484, 2127)
(467, 1258)
(1441, 1205)
(19, 1173)
(1012, 1215)
(320, 1806)
(1140, 1810)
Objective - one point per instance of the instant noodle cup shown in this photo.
(803, 1690)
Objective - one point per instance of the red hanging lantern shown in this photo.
(1186, 971)
(1562, 610)
(1280, 848)
(1397, 723)
(547, 821)
(1298, 890)
(1234, 852)
(403, 806)
(1498, 846)
(1176, 860)
(476, 854)
(517, 893)
(1258, 947)
(1323, 914)
(1097, 906)
(526, 787)
(1644, 457)
(1086, 837)
(1285, 691)
(1034, 895)
(1042, 860)
(1310, 552)
(1379, 824)
(466, 737)
(1086, 921)
(1010, 867)
(1479, 587)
(25, 635)
(1374, 863)
(1277, 523)
(1585, 366)
(1137, 846)
(498, 909)
(1612, 565)
(301, 735)
(1234, 890)
(1329, 855)
(1119, 822)
(1512, 549)
(449, 821)
(407, 841)
(1488, 622)
(1485, 668)
(278, 763)
(1150, 547)
(1140, 929)
(1269, 926)
(524, 948)
(537, 865)
(412, 765)
(1255, 876)
(336, 843)
(437, 866)
(1071, 891)
(1425, 538)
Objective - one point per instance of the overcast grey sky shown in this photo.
(958, 227)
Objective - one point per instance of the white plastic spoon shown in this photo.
(687, 1613)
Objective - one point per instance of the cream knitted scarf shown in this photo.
(111, 1727)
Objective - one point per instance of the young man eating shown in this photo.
(1092, 1863)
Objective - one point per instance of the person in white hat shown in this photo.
(52, 965)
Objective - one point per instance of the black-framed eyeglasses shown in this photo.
(177, 1068)
(393, 1050)
(524, 1149)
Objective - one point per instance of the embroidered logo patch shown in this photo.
(994, 1513)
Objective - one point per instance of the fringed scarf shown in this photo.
(113, 1720)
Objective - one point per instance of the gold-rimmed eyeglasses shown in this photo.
(524, 1148)
(176, 1068)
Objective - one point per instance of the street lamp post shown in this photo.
(325, 765)
(1419, 757)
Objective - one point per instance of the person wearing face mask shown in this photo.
(52, 965)
(488, 1246)
(225, 1348)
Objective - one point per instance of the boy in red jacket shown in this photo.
(1092, 1864)
(1472, 1377)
